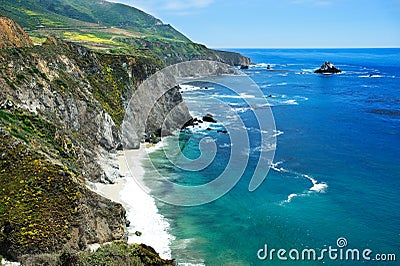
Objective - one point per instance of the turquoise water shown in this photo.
(336, 169)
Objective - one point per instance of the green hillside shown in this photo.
(55, 14)
(100, 25)
(109, 28)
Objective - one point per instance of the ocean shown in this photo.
(335, 175)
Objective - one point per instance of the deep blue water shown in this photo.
(340, 131)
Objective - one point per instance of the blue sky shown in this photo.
(281, 23)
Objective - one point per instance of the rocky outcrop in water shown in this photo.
(209, 118)
(328, 68)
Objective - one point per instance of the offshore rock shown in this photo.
(209, 118)
(328, 68)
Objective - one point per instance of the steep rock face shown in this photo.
(157, 106)
(176, 52)
(233, 59)
(148, 114)
(12, 35)
(61, 108)
(49, 82)
(44, 206)
(83, 92)
(203, 53)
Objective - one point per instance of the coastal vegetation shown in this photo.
(62, 103)
(54, 98)
(111, 254)
(109, 28)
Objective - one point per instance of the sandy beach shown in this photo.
(141, 208)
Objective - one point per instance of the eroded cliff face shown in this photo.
(171, 53)
(61, 110)
(45, 207)
(12, 35)
(231, 58)
(82, 92)
(158, 108)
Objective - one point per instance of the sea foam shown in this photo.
(189, 88)
(142, 210)
(317, 187)
(289, 199)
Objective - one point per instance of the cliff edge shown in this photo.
(61, 109)
(12, 35)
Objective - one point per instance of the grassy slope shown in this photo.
(106, 27)
(96, 24)
(41, 190)
(38, 198)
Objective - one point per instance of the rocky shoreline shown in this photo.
(61, 111)
(58, 129)
(146, 225)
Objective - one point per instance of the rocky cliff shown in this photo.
(61, 110)
(44, 206)
(12, 35)
(176, 52)
(231, 58)
(158, 108)
(82, 92)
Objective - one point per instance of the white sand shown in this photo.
(141, 208)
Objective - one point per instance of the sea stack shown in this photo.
(209, 118)
(328, 68)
